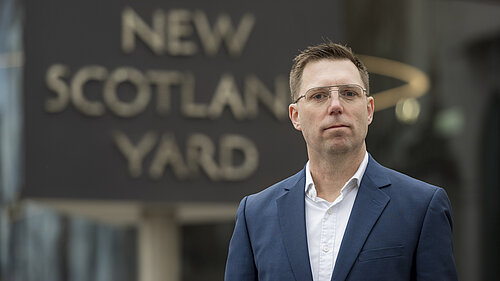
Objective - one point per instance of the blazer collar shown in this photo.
(367, 208)
(369, 204)
(292, 221)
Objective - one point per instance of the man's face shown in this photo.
(337, 126)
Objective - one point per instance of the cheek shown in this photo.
(363, 120)
(307, 126)
(305, 119)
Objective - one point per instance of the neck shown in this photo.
(331, 172)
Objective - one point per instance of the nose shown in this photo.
(335, 105)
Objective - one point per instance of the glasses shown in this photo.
(320, 95)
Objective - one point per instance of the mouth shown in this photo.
(336, 126)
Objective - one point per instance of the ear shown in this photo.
(293, 113)
(370, 106)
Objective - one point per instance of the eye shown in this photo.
(349, 93)
(318, 95)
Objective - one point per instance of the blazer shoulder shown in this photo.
(400, 178)
(407, 186)
(274, 191)
(384, 176)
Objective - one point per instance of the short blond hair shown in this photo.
(322, 51)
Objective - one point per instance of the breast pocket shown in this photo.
(380, 253)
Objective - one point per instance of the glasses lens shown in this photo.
(320, 95)
(317, 95)
(350, 92)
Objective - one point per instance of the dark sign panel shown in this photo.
(163, 100)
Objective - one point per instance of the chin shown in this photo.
(338, 149)
(342, 147)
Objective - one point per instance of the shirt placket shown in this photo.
(328, 230)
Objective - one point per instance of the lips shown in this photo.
(336, 126)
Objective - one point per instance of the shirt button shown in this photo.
(329, 211)
(325, 249)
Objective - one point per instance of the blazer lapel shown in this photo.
(368, 206)
(291, 214)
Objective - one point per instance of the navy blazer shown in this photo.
(400, 229)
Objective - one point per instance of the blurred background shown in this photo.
(130, 130)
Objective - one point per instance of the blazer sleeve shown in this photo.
(434, 255)
(240, 264)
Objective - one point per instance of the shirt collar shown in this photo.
(310, 189)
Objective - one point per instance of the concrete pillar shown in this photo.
(159, 246)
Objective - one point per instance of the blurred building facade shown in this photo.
(447, 135)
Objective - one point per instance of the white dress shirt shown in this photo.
(326, 222)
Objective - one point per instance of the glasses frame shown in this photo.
(340, 85)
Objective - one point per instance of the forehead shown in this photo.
(327, 72)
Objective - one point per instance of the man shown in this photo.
(344, 216)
